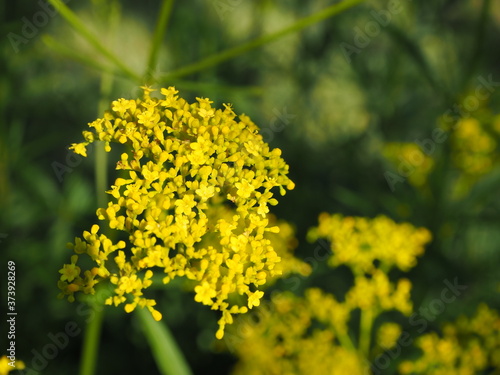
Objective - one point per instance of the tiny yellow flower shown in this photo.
(254, 299)
(79, 148)
(70, 271)
(245, 189)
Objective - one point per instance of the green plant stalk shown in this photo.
(63, 50)
(479, 38)
(161, 27)
(218, 88)
(93, 330)
(80, 27)
(367, 317)
(412, 48)
(67, 52)
(236, 51)
(345, 341)
(167, 355)
(91, 343)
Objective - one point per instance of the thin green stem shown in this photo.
(80, 27)
(217, 88)
(345, 341)
(90, 343)
(415, 52)
(93, 330)
(478, 45)
(367, 317)
(101, 156)
(161, 27)
(67, 52)
(167, 354)
(236, 51)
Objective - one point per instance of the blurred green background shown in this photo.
(332, 96)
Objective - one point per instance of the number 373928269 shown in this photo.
(11, 286)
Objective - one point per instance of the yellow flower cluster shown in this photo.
(180, 162)
(358, 242)
(474, 148)
(419, 164)
(5, 366)
(469, 346)
(294, 335)
(310, 334)
(473, 153)
(388, 335)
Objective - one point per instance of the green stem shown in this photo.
(91, 343)
(93, 329)
(233, 52)
(412, 48)
(101, 156)
(167, 354)
(345, 341)
(161, 26)
(80, 27)
(365, 332)
(70, 53)
(217, 88)
(478, 45)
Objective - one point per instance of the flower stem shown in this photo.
(80, 27)
(345, 341)
(365, 333)
(93, 329)
(167, 354)
(233, 52)
(161, 26)
(91, 343)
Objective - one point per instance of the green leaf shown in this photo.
(167, 354)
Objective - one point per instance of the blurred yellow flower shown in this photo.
(6, 365)
(313, 334)
(388, 334)
(469, 346)
(358, 242)
(410, 160)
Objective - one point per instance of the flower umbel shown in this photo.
(182, 161)
(311, 334)
(469, 346)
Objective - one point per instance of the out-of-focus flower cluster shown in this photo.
(182, 164)
(414, 163)
(469, 346)
(472, 146)
(473, 152)
(366, 245)
(312, 334)
(294, 335)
